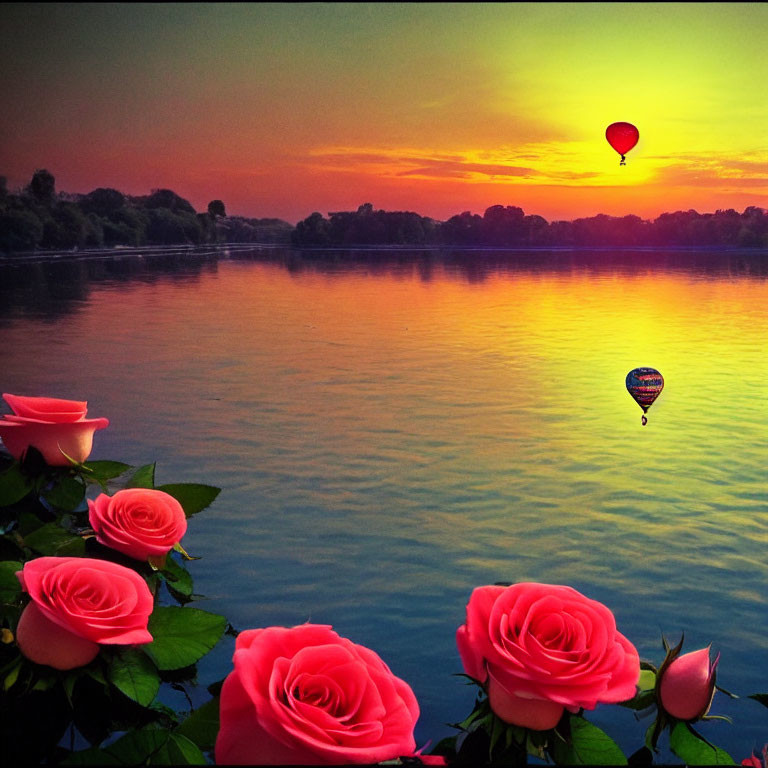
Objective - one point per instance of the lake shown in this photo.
(391, 430)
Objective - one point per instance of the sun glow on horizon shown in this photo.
(281, 110)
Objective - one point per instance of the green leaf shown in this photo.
(52, 540)
(66, 495)
(69, 681)
(179, 750)
(643, 700)
(133, 673)
(166, 716)
(14, 486)
(446, 747)
(9, 584)
(143, 477)
(11, 546)
(183, 552)
(497, 731)
(587, 745)
(44, 683)
(182, 636)
(101, 471)
(535, 741)
(650, 732)
(690, 747)
(646, 693)
(193, 497)
(92, 756)
(12, 676)
(202, 726)
(135, 748)
(177, 576)
(479, 711)
(95, 674)
(28, 522)
(647, 681)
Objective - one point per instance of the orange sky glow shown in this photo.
(285, 109)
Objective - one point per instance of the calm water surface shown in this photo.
(390, 433)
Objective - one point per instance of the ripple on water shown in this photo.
(385, 443)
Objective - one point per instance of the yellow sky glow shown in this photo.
(283, 109)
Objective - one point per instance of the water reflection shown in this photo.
(393, 429)
(48, 287)
(476, 265)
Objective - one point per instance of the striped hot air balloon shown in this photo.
(645, 385)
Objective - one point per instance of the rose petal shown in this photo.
(526, 712)
(97, 600)
(242, 740)
(55, 442)
(47, 408)
(46, 642)
(547, 642)
(308, 696)
(139, 522)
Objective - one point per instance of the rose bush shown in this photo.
(139, 522)
(77, 605)
(540, 649)
(687, 685)
(307, 696)
(56, 428)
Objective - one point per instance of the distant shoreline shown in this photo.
(233, 249)
(39, 219)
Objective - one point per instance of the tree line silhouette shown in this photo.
(37, 217)
(509, 227)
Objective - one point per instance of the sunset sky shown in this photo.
(282, 109)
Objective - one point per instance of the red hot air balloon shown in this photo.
(622, 137)
(645, 385)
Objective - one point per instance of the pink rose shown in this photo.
(78, 604)
(54, 427)
(139, 522)
(688, 685)
(306, 696)
(539, 649)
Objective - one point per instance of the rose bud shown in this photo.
(56, 428)
(687, 685)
